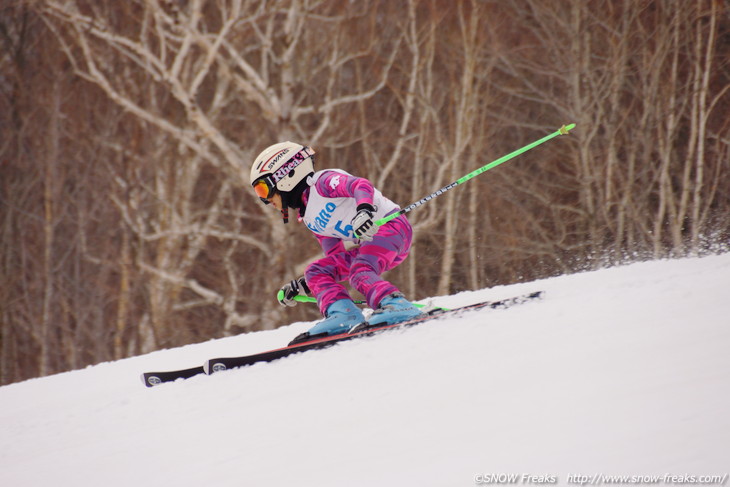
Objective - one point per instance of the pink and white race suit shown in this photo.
(331, 204)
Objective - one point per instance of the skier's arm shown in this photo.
(337, 185)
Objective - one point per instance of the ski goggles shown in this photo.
(264, 189)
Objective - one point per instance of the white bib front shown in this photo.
(331, 217)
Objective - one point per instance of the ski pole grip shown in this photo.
(386, 219)
(298, 297)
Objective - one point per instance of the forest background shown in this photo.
(127, 130)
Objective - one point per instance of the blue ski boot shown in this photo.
(340, 317)
(393, 309)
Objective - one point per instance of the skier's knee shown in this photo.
(314, 270)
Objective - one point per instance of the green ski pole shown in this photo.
(309, 299)
(305, 299)
(561, 131)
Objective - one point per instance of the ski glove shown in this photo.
(363, 223)
(294, 288)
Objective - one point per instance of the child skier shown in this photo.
(337, 207)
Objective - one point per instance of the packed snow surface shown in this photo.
(623, 371)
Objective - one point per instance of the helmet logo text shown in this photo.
(268, 165)
(288, 166)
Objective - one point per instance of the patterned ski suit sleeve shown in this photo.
(337, 185)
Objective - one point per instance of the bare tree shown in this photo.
(127, 223)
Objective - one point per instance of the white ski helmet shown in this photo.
(281, 167)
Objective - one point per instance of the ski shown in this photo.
(211, 366)
(221, 364)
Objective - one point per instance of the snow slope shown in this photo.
(624, 371)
